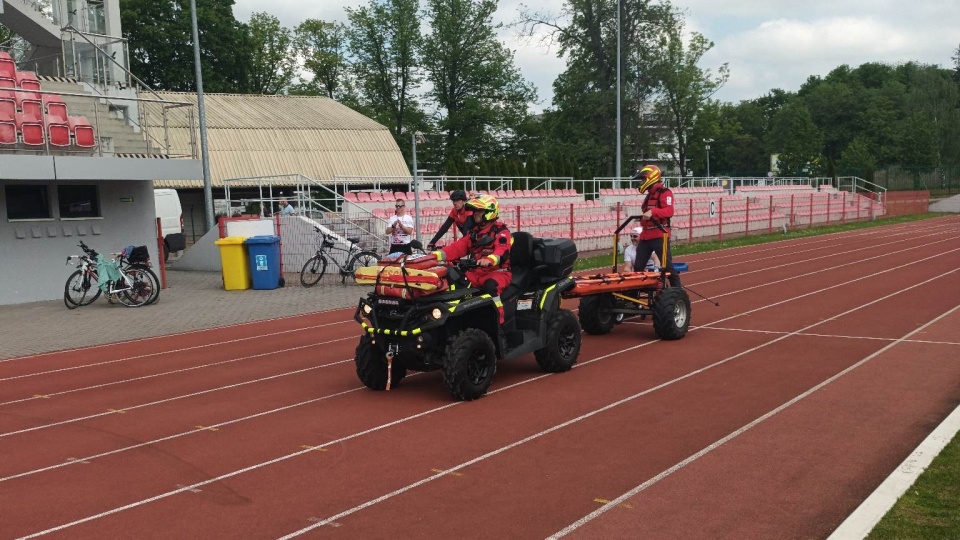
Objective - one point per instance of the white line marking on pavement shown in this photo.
(596, 513)
(810, 334)
(595, 412)
(167, 400)
(871, 511)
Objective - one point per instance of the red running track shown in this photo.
(828, 360)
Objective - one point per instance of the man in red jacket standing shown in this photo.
(657, 210)
(489, 243)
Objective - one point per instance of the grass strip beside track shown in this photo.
(931, 507)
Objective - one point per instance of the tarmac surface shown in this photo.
(192, 301)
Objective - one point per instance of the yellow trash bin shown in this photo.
(233, 259)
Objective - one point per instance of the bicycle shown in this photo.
(314, 269)
(137, 285)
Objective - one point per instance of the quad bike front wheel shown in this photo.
(371, 366)
(469, 364)
(563, 343)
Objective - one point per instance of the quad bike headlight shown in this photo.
(436, 314)
(367, 309)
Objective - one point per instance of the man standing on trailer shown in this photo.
(657, 210)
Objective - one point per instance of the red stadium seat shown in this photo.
(8, 129)
(8, 103)
(82, 131)
(58, 131)
(27, 80)
(54, 106)
(30, 128)
(350, 196)
(29, 103)
(8, 71)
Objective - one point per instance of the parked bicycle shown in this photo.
(356, 257)
(136, 285)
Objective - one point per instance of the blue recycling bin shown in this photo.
(264, 257)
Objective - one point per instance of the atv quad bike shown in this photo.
(424, 317)
(607, 299)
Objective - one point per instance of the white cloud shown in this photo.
(768, 44)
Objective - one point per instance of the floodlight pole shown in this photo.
(707, 146)
(204, 155)
(616, 183)
(416, 188)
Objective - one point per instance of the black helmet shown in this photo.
(458, 195)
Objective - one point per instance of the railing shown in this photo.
(312, 199)
(97, 125)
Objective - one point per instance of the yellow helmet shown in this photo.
(488, 204)
(648, 176)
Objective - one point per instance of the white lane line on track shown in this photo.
(810, 334)
(820, 271)
(176, 351)
(619, 500)
(871, 511)
(447, 406)
(813, 240)
(173, 372)
(831, 255)
(313, 448)
(605, 408)
(167, 400)
(89, 458)
(186, 333)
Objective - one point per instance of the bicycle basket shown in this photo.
(328, 242)
(139, 254)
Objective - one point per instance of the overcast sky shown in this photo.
(768, 44)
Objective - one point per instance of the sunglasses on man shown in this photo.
(400, 205)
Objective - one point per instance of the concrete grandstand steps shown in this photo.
(117, 136)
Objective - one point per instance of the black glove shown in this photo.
(431, 246)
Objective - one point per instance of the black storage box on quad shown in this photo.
(558, 254)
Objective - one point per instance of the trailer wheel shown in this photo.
(671, 313)
(596, 317)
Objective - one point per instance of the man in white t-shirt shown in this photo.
(630, 253)
(400, 227)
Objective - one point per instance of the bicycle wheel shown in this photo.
(364, 258)
(140, 289)
(154, 281)
(81, 289)
(313, 270)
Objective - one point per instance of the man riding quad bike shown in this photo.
(487, 297)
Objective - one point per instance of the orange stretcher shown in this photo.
(394, 276)
(612, 282)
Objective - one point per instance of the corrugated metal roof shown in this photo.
(254, 135)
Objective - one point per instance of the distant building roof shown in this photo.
(253, 135)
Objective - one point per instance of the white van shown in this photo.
(167, 203)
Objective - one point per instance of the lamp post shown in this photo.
(616, 184)
(204, 154)
(707, 146)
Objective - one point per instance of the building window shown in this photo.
(78, 201)
(27, 202)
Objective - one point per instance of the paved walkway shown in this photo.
(192, 301)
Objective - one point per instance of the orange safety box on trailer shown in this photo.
(394, 276)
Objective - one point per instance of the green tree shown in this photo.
(857, 159)
(797, 140)
(323, 48)
(684, 87)
(384, 37)
(956, 64)
(480, 94)
(582, 123)
(273, 63)
(161, 41)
